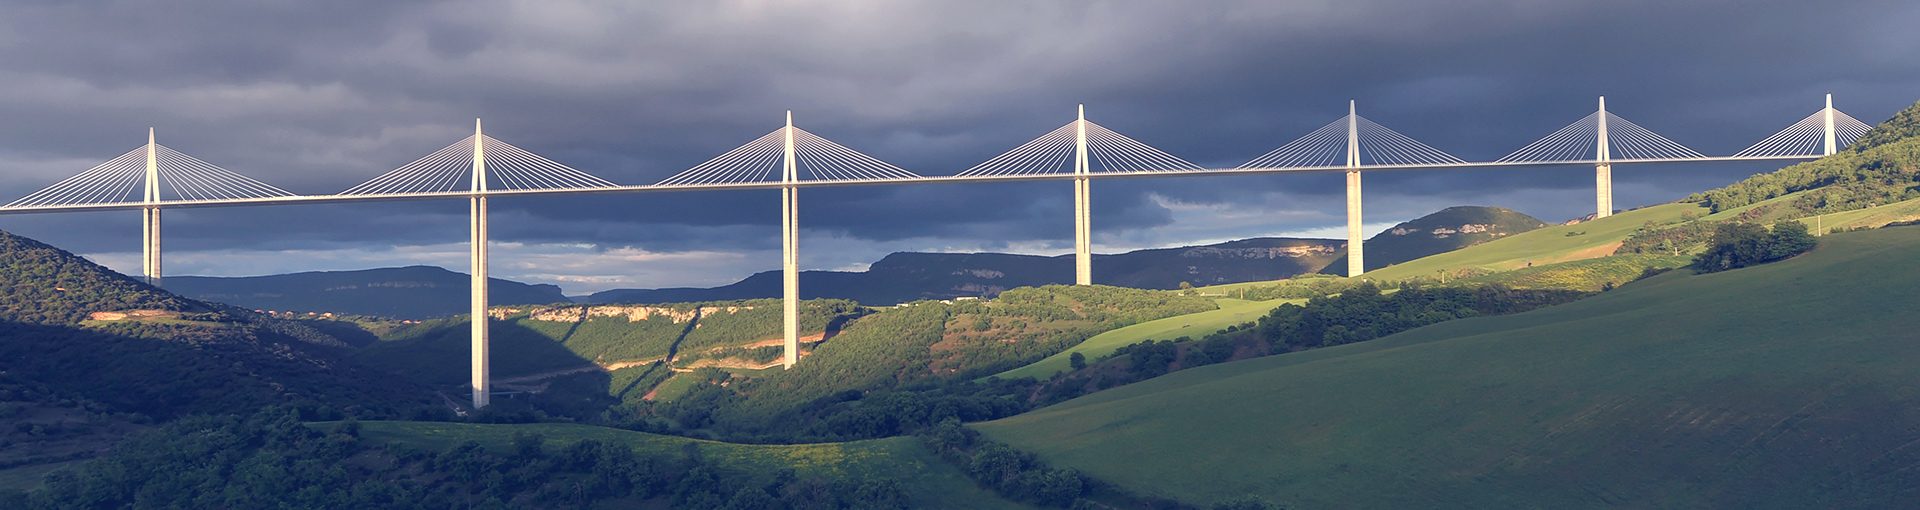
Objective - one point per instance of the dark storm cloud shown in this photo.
(318, 96)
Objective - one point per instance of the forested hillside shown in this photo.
(78, 327)
(531, 340)
(1881, 168)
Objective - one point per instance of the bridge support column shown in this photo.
(1602, 171)
(1603, 190)
(1356, 245)
(790, 252)
(150, 246)
(477, 250)
(1082, 210)
(150, 218)
(482, 380)
(1356, 253)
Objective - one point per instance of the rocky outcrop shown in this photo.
(632, 313)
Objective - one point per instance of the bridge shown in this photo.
(480, 167)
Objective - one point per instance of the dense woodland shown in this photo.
(272, 459)
(1737, 245)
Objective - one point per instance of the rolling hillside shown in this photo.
(1548, 245)
(1195, 325)
(1786, 385)
(77, 327)
(413, 292)
(544, 339)
(88, 355)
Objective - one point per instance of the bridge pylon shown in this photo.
(150, 216)
(798, 158)
(1082, 205)
(477, 259)
(1081, 149)
(789, 248)
(1348, 145)
(1602, 169)
(1831, 138)
(1356, 244)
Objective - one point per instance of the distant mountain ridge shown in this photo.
(412, 292)
(420, 292)
(911, 276)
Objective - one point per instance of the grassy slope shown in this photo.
(1787, 385)
(1231, 312)
(1588, 275)
(1872, 217)
(1544, 246)
(931, 482)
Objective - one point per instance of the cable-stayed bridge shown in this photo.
(154, 177)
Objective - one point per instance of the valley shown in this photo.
(1709, 352)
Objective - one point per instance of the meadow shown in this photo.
(1231, 312)
(1785, 385)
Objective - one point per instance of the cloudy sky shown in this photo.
(315, 97)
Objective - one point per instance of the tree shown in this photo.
(1077, 360)
(1737, 245)
(1789, 238)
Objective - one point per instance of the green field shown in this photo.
(1785, 385)
(1231, 312)
(930, 482)
(1872, 217)
(1589, 275)
(1552, 244)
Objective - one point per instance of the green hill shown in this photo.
(1877, 169)
(1195, 325)
(1447, 230)
(1548, 245)
(713, 368)
(88, 355)
(537, 339)
(80, 328)
(1785, 385)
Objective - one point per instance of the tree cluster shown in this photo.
(1737, 245)
(272, 460)
(1363, 312)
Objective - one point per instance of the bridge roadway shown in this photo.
(825, 183)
